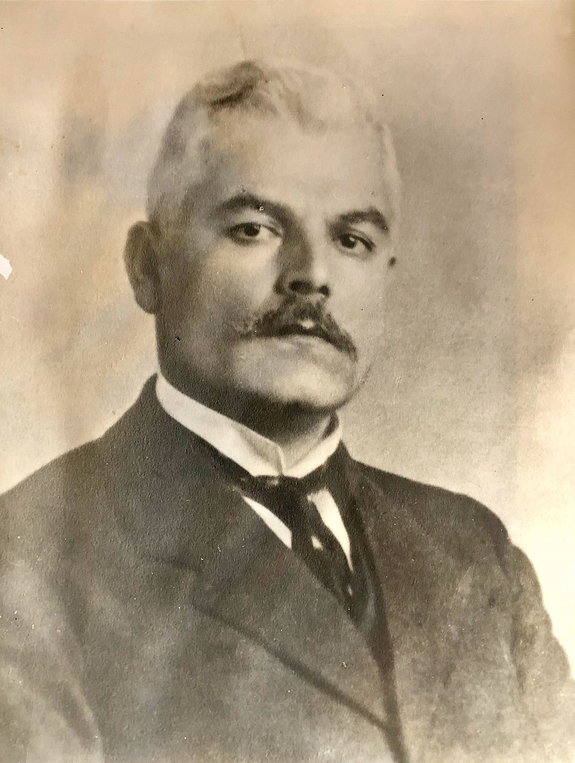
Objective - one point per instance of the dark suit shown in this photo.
(149, 614)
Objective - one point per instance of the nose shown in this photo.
(304, 271)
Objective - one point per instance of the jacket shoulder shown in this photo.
(453, 519)
(65, 470)
(48, 507)
(74, 474)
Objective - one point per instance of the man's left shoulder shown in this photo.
(450, 518)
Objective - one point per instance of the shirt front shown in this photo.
(258, 456)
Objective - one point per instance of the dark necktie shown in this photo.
(356, 589)
(291, 500)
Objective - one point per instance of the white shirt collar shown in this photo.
(253, 452)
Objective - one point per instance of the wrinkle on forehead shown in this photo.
(272, 159)
(244, 138)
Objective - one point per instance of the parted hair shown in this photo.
(315, 99)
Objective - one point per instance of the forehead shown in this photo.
(337, 168)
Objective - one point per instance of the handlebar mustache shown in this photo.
(289, 319)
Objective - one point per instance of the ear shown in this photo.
(141, 258)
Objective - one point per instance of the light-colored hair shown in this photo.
(316, 100)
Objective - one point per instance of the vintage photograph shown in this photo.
(287, 296)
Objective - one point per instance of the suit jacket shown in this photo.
(148, 614)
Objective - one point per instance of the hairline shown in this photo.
(206, 113)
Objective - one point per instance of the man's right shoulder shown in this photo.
(74, 475)
(39, 505)
(76, 492)
(64, 469)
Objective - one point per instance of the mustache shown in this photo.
(296, 316)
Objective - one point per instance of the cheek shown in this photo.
(216, 291)
(361, 313)
(361, 299)
(180, 274)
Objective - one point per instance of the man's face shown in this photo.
(273, 284)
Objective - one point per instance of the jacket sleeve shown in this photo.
(41, 720)
(542, 667)
(44, 717)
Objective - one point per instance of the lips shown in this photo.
(304, 328)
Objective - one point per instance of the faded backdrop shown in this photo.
(475, 387)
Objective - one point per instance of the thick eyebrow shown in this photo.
(371, 215)
(249, 201)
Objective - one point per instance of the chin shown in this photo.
(319, 391)
(310, 375)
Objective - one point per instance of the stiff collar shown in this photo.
(253, 452)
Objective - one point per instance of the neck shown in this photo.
(296, 429)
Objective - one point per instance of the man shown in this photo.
(216, 579)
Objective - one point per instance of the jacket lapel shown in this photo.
(261, 589)
(422, 609)
(181, 510)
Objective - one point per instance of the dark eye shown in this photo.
(349, 242)
(249, 230)
(245, 233)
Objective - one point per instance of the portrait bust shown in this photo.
(216, 578)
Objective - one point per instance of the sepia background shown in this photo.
(474, 388)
